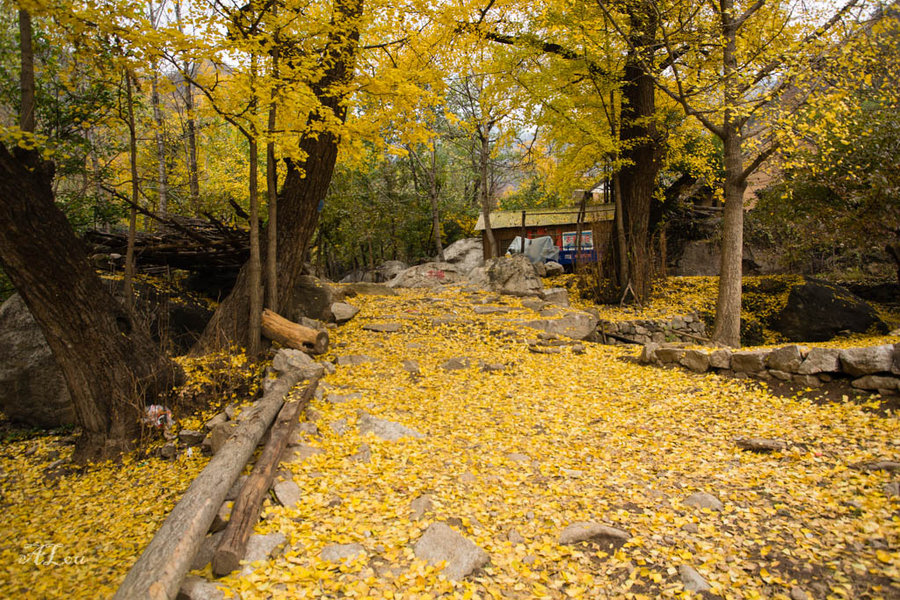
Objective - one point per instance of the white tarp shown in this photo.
(538, 250)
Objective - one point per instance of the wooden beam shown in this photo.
(245, 513)
(158, 573)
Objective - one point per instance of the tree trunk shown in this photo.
(135, 192)
(485, 192)
(272, 197)
(303, 191)
(291, 335)
(727, 328)
(434, 194)
(254, 267)
(642, 148)
(26, 73)
(191, 127)
(111, 365)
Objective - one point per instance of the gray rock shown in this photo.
(440, 543)
(573, 324)
(389, 269)
(382, 327)
(287, 492)
(386, 430)
(198, 588)
(428, 275)
(648, 353)
(811, 381)
(816, 311)
(761, 445)
(341, 398)
(692, 580)
(218, 419)
(695, 360)
(466, 254)
(189, 437)
(668, 355)
(32, 387)
(554, 268)
(207, 549)
(454, 364)
(491, 310)
(168, 450)
(420, 506)
(720, 359)
(514, 537)
(367, 289)
(289, 359)
(518, 457)
(340, 426)
(218, 436)
(703, 500)
(877, 382)
(487, 367)
(556, 296)
(302, 452)
(343, 312)
(535, 304)
(798, 593)
(867, 360)
(585, 530)
(411, 367)
(221, 519)
(342, 552)
(363, 455)
(539, 269)
(261, 547)
(749, 361)
(507, 275)
(312, 298)
(351, 360)
(780, 375)
(788, 358)
(879, 465)
(892, 489)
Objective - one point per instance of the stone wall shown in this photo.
(686, 328)
(874, 368)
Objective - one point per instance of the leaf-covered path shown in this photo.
(511, 457)
(514, 448)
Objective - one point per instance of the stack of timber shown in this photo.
(159, 571)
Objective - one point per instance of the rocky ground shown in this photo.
(457, 452)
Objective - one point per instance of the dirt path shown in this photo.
(518, 445)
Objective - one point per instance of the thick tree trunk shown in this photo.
(303, 191)
(642, 147)
(190, 126)
(111, 365)
(254, 266)
(434, 196)
(135, 192)
(727, 328)
(485, 192)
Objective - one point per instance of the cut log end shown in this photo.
(225, 561)
(293, 335)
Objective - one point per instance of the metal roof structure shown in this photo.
(503, 219)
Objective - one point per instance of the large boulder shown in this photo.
(466, 254)
(513, 275)
(573, 324)
(817, 311)
(389, 269)
(427, 275)
(32, 388)
(312, 299)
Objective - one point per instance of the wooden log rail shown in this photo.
(292, 335)
(158, 573)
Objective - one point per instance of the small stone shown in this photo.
(486, 367)
(584, 531)
(189, 437)
(693, 581)
(261, 547)
(298, 454)
(343, 312)
(168, 450)
(457, 363)
(221, 518)
(341, 398)
(514, 537)
(695, 360)
(518, 457)
(490, 310)
(363, 455)
(691, 528)
(354, 359)
(798, 593)
(867, 360)
(386, 430)
(787, 358)
(530, 515)
(556, 296)
(821, 360)
(382, 327)
(761, 444)
(892, 489)
(339, 426)
(810, 381)
(218, 419)
(879, 465)
(411, 367)
(467, 478)
(748, 361)
(440, 544)
(198, 588)
(703, 500)
(420, 506)
(529, 560)
(876, 382)
(668, 355)
(287, 492)
(780, 375)
(342, 552)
